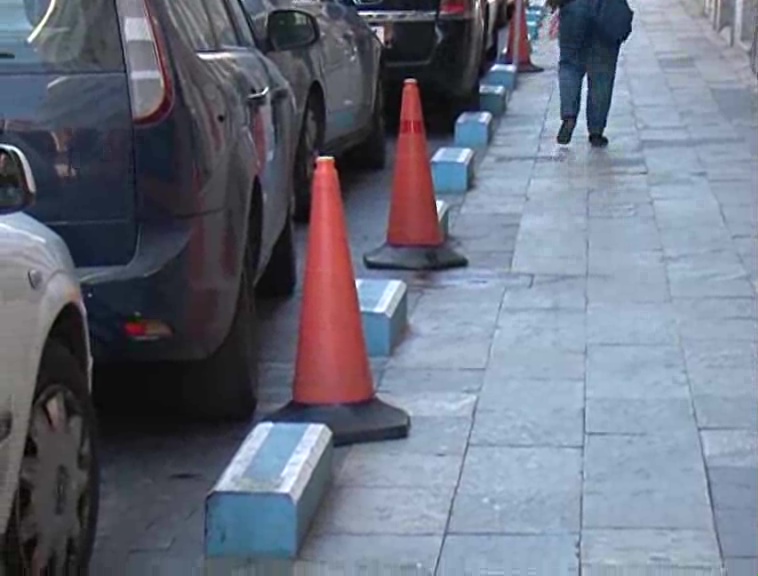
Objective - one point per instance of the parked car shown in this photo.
(162, 142)
(505, 11)
(444, 44)
(333, 62)
(49, 474)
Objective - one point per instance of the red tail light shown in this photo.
(456, 7)
(149, 82)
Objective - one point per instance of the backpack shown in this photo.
(613, 20)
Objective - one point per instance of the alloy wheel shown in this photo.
(54, 499)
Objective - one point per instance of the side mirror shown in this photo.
(17, 187)
(291, 29)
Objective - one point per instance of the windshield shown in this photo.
(70, 35)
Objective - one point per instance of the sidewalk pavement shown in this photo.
(584, 394)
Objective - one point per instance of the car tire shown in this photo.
(491, 53)
(483, 50)
(305, 159)
(468, 102)
(224, 386)
(371, 154)
(280, 277)
(61, 380)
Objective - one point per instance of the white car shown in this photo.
(49, 475)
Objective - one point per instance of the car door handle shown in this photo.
(258, 98)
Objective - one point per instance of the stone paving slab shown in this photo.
(584, 395)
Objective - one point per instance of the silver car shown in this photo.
(49, 476)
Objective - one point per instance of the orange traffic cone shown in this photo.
(414, 239)
(333, 383)
(524, 46)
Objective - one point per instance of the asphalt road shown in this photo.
(157, 468)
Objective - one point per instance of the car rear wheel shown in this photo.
(305, 159)
(468, 102)
(280, 278)
(372, 152)
(224, 386)
(492, 52)
(54, 517)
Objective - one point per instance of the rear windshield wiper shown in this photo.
(7, 56)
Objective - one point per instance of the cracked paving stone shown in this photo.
(518, 490)
(511, 555)
(621, 492)
(672, 550)
(631, 323)
(636, 372)
(529, 413)
(640, 416)
(407, 511)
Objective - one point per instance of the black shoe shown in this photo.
(566, 131)
(598, 141)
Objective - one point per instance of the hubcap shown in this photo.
(53, 503)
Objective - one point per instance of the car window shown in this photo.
(223, 26)
(191, 19)
(293, 26)
(60, 35)
(242, 22)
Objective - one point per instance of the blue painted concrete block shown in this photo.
(502, 75)
(534, 30)
(473, 129)
(384, 313)
(265, 500)
(443, 217)
(493, 99)
(537, 11)
(452, 170)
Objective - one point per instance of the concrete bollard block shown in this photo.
(533, 30)
(443, 217)
(384, 313)
(452, 170)
(264, 502)
(502, 75)
(473, 129)
(535, 13)
(493, 99)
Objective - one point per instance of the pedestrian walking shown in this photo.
(589, 37)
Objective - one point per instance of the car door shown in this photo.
(64, 98)
(19, 311)
(342, 70)
(236, 42)
(369, 53)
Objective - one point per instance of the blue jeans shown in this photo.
(582, 52)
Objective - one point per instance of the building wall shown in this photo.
(738, 19)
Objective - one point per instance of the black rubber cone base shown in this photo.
(524, 67)
(371, 421)
(414, 258)
(529, 68)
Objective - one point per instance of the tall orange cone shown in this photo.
(333, 383)
(524, 64)
(414, 239)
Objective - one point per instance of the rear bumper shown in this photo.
(177, 277)
(448, 68)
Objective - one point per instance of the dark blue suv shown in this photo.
(161, 142)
